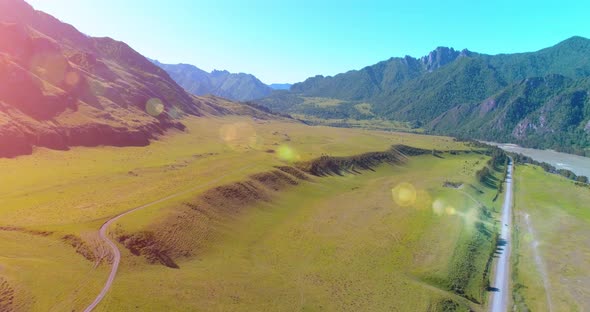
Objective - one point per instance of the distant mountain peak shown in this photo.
(442, 56)
(220, 72)
(575, 42)
(465, 52)
(234, 86)
(577, 38)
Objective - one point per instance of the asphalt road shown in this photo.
(501, 294)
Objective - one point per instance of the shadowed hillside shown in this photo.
(61, 88)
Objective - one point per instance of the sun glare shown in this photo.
(404, 194)
(154, 107)
(438, 207)
(287, 153)
(239, 135)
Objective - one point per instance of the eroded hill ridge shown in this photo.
(195, 223)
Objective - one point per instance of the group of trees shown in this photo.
(497, 160)
(482, 174)
(498, 157)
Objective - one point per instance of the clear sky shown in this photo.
(288, 41)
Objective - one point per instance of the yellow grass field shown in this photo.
(336, 244)
(552, 264)
(52, 194)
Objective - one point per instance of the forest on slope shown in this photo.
(536, 99)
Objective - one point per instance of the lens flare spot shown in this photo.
(470, 217)
(154, 107)
(97, 88)
(239, 135)
(450, 210)
(438, 207)
(175, 112)
(423, 199)
(51, 67)
(72, 78)
(287, 153)
(404, 194)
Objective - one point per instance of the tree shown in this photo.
(482, 174)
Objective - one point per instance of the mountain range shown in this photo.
(537, 99)
(60, 88)
(238, 87)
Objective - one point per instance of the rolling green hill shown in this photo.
(537, 99)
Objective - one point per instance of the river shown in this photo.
(577, 164)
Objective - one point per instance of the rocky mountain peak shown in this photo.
(217, 72)
(441, 56)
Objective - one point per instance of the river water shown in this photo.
(577, 164)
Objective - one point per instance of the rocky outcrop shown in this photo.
(442, 56)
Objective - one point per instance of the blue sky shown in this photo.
(288, 41)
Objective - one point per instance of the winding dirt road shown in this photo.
(113, 246)
(500, 297)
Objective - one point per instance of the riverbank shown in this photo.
(577, 164)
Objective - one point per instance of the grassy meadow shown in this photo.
(45, 274)
(67, 188)
(552, 259)
(339, 243)
(372, 124)
(324, 226)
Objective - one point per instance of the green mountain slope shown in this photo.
(439, 91)
(546, 112)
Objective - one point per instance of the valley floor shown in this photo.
(345, 242)
(338, 243)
